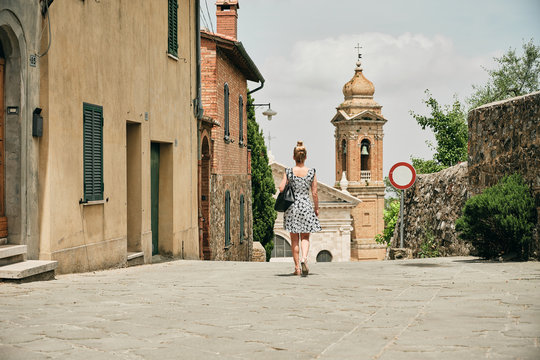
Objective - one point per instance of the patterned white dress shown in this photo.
(300, 216)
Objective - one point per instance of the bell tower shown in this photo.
(359, 160)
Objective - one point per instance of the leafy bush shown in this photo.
(500, 220)
(429, 247)
(391, 216)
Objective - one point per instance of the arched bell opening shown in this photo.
(365, 160)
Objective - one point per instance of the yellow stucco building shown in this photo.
(113, 176)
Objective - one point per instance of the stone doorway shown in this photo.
(3, 218)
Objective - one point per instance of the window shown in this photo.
(93, 152)
(226, 111)
(241, 119)
(282, 248)
(365, 150)
(324, 256)
(344, 155)
(241, 218)
(227, 218)
(173, 28)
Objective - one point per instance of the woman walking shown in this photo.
(301, 218)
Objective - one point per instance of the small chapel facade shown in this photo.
(359, 163)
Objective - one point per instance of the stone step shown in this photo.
(27, 269)
(12, 250)
(10, 254)
(135, 258)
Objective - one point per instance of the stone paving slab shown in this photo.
(445, 308)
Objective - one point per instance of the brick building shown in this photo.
(359, 160)
(225, 216)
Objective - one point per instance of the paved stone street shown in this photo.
(447, 308)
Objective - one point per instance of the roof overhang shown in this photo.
(365, 116)
(238, 55)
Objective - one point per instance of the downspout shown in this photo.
(257, 89)
(198, 112)
(198, 108)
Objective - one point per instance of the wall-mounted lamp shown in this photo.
(37, 123)
(268, 112)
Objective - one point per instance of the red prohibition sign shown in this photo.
(402, 175)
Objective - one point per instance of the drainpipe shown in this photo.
(198, 108)
(257, 89)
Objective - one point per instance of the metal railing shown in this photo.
(365, 175)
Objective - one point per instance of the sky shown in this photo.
(305, 50)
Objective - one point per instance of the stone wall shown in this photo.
(238, 250)
(504, 138)
(432, 205)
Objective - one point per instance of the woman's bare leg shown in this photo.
(294, 246)
(305, 245)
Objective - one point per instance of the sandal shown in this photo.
(296, 272)
(305, 269)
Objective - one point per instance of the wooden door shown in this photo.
(3, 219)
(154, 185)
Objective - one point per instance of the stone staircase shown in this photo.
(14, 266)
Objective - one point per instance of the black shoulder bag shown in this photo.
(285, 198)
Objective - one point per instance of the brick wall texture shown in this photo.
(229, 158)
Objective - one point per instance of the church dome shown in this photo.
(358, 85)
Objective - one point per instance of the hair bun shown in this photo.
(299, 143)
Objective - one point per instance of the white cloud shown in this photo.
(305, 88)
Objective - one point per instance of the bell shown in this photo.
(364, 150)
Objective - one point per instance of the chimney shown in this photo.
(227, 17)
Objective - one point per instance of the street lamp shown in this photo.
(268, 112)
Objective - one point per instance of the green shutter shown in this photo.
(227, 218)
(226, 110)
(173, 27)
(93, 152)
(241, 119)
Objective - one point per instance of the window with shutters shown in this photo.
(227, 218)
(226, 111)
(241, 218)
(93, 152)
(241, 120)
(173, 28)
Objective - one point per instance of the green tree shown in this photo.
(391, 216)
(451, 134)
(515, 76)
(422, 166)
(262, 184)
(500, 220)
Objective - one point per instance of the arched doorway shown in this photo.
(3, 218)
(205, 198)
(20, 97)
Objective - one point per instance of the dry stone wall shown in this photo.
(504, 138)
(432, 206)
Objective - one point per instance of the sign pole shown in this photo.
(401, 227)
(402, 176)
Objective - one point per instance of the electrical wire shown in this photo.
(203, 18)
(209, 17)
(50, 36)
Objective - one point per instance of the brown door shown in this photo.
(3, 219)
